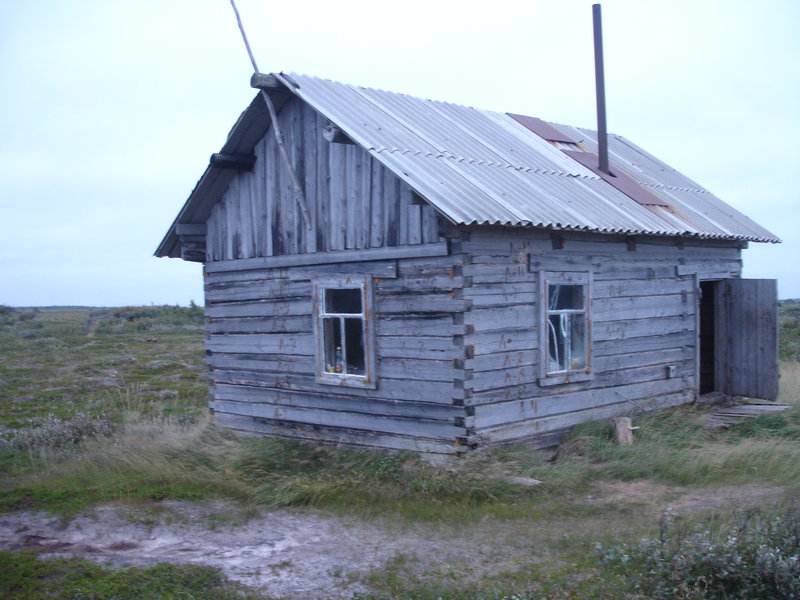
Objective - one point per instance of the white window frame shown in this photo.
(546, 279)
(364, 284)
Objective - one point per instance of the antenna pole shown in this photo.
(244, 37)
(299, 195)
(602, 131)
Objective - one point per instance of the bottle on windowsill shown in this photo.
(339, 366)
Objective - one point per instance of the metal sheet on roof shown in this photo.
(484, 167)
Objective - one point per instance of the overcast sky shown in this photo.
(109, 109)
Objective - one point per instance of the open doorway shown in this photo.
(708, 336)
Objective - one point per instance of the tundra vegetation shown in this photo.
(107, 405)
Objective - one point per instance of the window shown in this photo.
(342, 314)
(565, 337)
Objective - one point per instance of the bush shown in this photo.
(145, 318)
(789, 316)
(52, 432)
(755, 556)
(6, 315)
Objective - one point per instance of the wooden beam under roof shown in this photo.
(239, 162)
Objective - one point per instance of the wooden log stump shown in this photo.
(623, 432)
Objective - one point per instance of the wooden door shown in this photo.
(747, 338)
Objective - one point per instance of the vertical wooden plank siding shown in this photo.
(265, 175)
(354, 202)
(338, 196)
(309, 124)
(298, 160)
(273, 192)
(363, 213)
(750, 361)
(322, 197)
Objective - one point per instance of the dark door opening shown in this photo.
(708, 334)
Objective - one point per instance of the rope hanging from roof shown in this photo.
(299, 196)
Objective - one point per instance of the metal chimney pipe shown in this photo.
(600, 85)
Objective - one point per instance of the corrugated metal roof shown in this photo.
(486, 168)
(483, 167)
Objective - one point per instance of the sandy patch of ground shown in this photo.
(307, 554)
(656, 497)
(284, 552)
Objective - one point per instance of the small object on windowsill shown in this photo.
(339, 366)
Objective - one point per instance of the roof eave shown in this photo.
(242, 139)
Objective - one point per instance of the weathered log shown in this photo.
(265, 81)
(623, 432)
(239, 162)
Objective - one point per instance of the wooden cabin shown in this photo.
(386, 271)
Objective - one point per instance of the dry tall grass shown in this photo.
(150, 458)
(790, 383)
(154, 456)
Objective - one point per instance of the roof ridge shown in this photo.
(483, 162)
(664, 186)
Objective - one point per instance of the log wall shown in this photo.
(457, 341)
(643, 309)
(261, 355)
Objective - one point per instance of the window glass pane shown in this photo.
(343, 301)
(565, 297)
(557, 332)
(354, 344)
(332, 339)
(577, 345)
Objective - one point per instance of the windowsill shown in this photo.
(351, 381)
(562, 378)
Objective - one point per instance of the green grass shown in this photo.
(141, 371)
(789, 315)
(24, 577)
(166, 458)
(64, 362)
(673, 447)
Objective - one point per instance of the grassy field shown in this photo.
(108, 405)
(790, 329)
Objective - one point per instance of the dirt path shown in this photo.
(306, 554)
(284, 553)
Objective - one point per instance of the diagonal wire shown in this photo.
(244, 37)
(299, 196)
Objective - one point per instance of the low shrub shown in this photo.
(53, 432)
(789, 316)
(7, 315)
(145, 318)
(754, 555)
